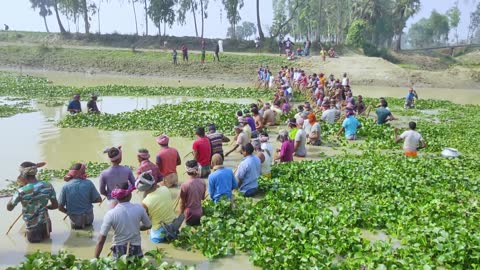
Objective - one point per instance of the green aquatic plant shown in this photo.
(7, 110)
(313, 215)
(152, 260)
(174, 120)
(35, 87)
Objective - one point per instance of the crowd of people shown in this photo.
(327, 98)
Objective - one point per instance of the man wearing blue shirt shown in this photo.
(222, 180)
(248, 171)
(74, 106)
(350, 126)
(409, 99)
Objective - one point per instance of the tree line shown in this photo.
(378, 23)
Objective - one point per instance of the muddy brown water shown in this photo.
(34, 136)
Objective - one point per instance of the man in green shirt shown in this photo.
(383, 114)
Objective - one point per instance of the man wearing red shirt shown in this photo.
(202, 152)
(167, 161)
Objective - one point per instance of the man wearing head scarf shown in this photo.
(34, 196)
(157, 201)
(248, 172)
(192, 192)
(92, 105)
(221, 181)
(350, 126)
(115, 174)
(167, 160)
(74, 106)
(202, 152)
(147, 166)
(77, 196)
(127, 220)
(312, 128)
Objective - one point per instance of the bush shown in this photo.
(356, 34)
(372, 51)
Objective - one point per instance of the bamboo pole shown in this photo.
(102, 201)
(13, 224)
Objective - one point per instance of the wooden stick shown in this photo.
(65, 217)
(187, 155)
(102, 201)
(13, 224)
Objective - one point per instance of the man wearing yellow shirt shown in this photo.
(158, 203)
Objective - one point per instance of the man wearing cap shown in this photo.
(74, 105)
(413, 141)
(92, 105)
(77, 196)
(157, 201)
(248, 172)
(115, 174)
(242, 139)
(127, 220)
(300, 139)
(167, 161)
(34, 196)
(216, 140)
(146, 165)
(192, 192)
(202, 152)
(268, 115)
(222, 180)
(350, 126)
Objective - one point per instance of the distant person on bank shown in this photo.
(77, 196)
(92, 105)
(74, 105)
(192, 192)
(34, 196)
(167, 161)
(115, 175)
(127, 220)
(412, 140)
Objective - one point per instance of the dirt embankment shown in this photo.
(234, 67)
(374, 71)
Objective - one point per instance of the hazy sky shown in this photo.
(118, 16)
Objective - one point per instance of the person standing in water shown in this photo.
(192, 192)
(115, 174)
(75, 106)
(77, 196)
(127, 220)
(167, 161)
(92, 105)
(34, 196)
(413, 141)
